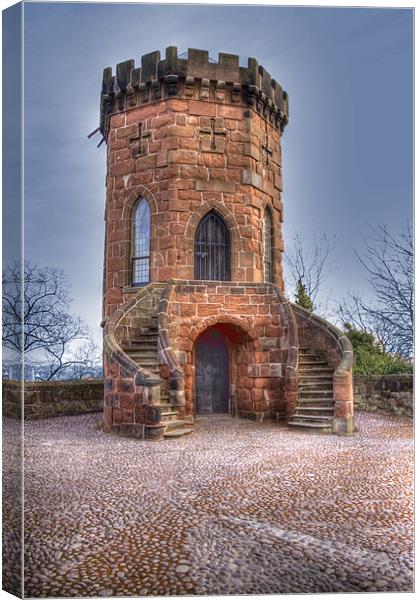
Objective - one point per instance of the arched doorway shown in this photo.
(212, 249)
(212, 372)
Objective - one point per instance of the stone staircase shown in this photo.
(315, 406)
(144, 351)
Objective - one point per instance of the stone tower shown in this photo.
(194, 314)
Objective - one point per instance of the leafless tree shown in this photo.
(388, 260)
(36, 318)
(65, 356)
(310, 268)
(33, 300)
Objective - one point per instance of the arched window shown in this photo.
(268, 243)
(140, 249)
(212, 249)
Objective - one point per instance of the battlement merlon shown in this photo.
(193, 77)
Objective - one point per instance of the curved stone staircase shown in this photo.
(315, 405)
(144, 351)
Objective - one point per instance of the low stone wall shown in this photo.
(52, 398)
(386, 394)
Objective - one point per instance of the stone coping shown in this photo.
(194, 77)
(57, 382)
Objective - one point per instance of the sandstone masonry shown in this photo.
(196, 143)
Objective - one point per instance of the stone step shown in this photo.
(315, 377)
(144, 361)
(169, 417)
(316, 382)
(176, 433)
(312, 418)
(304, 424)
(316, 369)
(316, 395)
(319, 390)
(324, 386)
(316, 390)
(146, 336)
(150, 369)
(143, 355)
(176, 424)
(142, 345)
(167, 408)
(315, 400)
(314, 409)
(145, 323)
(306, 349)
(308, 364)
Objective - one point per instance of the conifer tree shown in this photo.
(302, 297)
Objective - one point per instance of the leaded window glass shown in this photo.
(141, 244)
(268, 235)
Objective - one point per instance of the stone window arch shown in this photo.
(140, 246)
(212, 248)
(268, 246)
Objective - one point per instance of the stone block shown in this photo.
(182, 157)
(197, 107)
(215, 186)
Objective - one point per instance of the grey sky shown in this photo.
(347, 151)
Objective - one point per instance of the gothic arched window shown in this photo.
(212, 249)
(140, 248)
(268, 246)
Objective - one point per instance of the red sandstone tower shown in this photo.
(195, 321)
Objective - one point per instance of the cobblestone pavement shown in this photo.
(234, 508)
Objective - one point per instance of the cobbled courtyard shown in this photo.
(234, 508)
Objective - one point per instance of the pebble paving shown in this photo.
(234, 508)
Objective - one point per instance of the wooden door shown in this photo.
(212, 373)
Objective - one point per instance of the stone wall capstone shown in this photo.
(386, 394)
(45, 399)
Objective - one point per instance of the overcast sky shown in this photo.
(347, 151)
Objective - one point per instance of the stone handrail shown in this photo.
(167, 355)
(291, 369)
(116, 353)
(124, 376)
(346, 363)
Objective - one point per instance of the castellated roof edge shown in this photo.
(254, 78)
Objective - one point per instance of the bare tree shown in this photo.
(64, 356)
(388, 260)
(33, 300)
(36, 320)
(88, 357)
(310, 269)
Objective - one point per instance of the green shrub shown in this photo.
(370, 359)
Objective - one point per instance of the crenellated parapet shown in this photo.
(195, 77)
